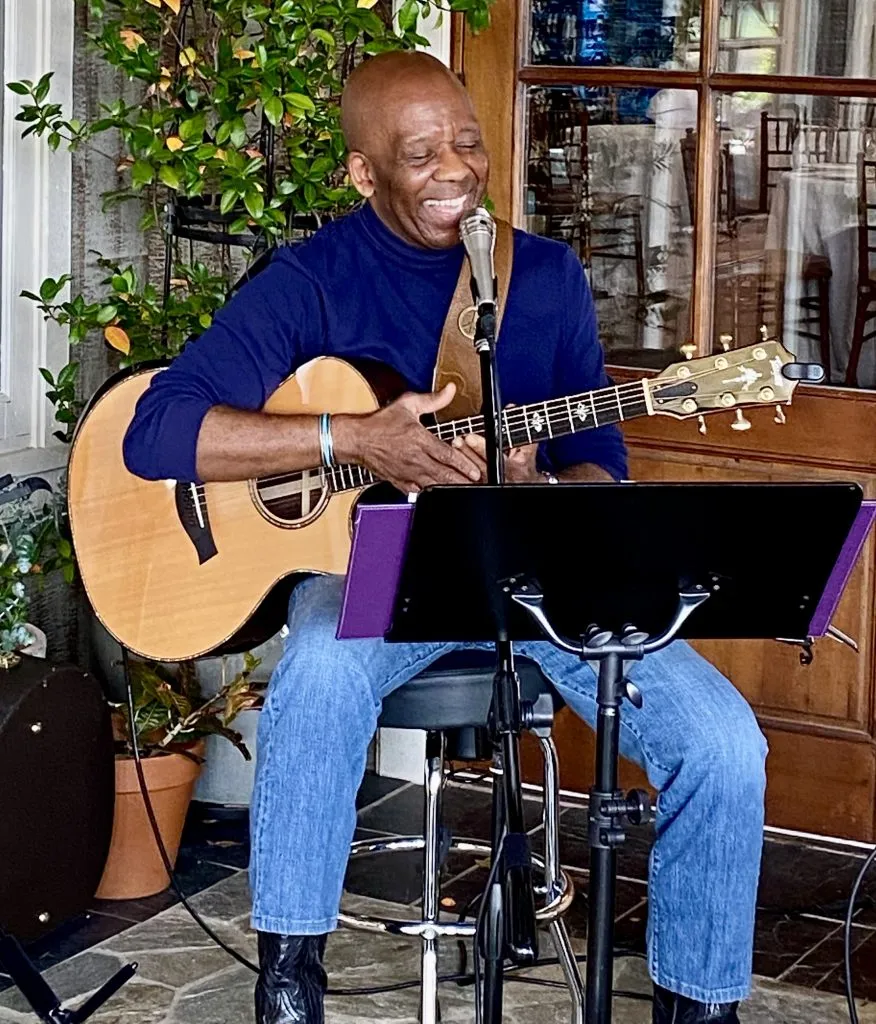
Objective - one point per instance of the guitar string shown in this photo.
(515, 419)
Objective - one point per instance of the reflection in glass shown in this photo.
(798, 37)
(614, 187)
(635, 33)
(796, 239)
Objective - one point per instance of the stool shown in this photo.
(451, 702)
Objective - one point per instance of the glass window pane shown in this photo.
(635, 33)
(796, 236)
(614, 186)
(798, 37)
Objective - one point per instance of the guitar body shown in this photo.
(177, 570)
(163, 585)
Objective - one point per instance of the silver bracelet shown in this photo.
(326, 447)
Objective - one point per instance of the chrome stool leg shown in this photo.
(552, 875)
(434, 779)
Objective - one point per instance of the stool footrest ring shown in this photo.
(559, 901)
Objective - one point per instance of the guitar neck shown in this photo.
(530, 424)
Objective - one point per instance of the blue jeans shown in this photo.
(695, 736)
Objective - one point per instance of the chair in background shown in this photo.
(565, 198)
(777, 136)
(740, 270)
(865, 310)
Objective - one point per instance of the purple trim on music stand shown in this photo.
(849, 555)
(380, 540)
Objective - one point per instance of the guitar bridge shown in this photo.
(191, 507)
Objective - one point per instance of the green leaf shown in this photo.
(205, 320)
(408, 15)
(19, 88)
(255, 204)
(300, 101)
(223, 133)
(68, 374)
(193, 128)
(42, 87)
(324, 37)
(142, 173)
(274, 110)
(47, 375)
(238, 133)
(54, 141)
(237, 227)
(229, 199)
(107, 313)
(170, 176)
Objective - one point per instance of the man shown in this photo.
(378, 284)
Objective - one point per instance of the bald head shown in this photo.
(379, 86)
(414, 146)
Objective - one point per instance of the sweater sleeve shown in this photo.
(269, 328)
(580, 367)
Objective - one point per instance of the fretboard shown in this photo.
(529, 424)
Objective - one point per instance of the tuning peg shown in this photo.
(725, 341)
(740, 423)
(780, 416)
(701, 425)
(689, 350)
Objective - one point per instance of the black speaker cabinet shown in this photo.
(56, 794)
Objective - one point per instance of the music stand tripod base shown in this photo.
(609, 808)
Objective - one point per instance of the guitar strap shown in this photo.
(457, 360)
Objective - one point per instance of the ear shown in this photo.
(359, 169)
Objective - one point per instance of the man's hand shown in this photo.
(519, 462)
(394, 444)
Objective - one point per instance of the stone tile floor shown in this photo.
(184, 978)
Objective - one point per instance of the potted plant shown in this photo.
(172, 717)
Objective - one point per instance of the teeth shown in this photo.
(447, 204)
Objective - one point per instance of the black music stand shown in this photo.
(756, 557)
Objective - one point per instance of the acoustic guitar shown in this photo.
(175, 570)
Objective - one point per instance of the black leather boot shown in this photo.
(670, 1008)
(292, 982)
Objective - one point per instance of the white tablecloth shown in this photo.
(815, 212)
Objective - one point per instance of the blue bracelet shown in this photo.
(326, 447)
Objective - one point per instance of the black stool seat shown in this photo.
(455, 693)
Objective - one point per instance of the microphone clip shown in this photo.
(486, 319)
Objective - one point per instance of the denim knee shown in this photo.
(732, 758)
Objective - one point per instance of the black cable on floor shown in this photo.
(847, 937)
(156, 831)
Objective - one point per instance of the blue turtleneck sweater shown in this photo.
(355, 289)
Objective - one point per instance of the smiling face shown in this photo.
(416, 151)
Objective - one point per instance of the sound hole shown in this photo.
(294, 497)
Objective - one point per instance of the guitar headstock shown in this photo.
(762, 374)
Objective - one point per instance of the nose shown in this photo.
(451, 166)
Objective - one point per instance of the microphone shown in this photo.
(478, 233)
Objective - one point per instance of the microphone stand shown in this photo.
(509, 912)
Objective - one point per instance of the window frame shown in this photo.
(505, 50)
(35, 235)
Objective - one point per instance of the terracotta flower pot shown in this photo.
(134, 867)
